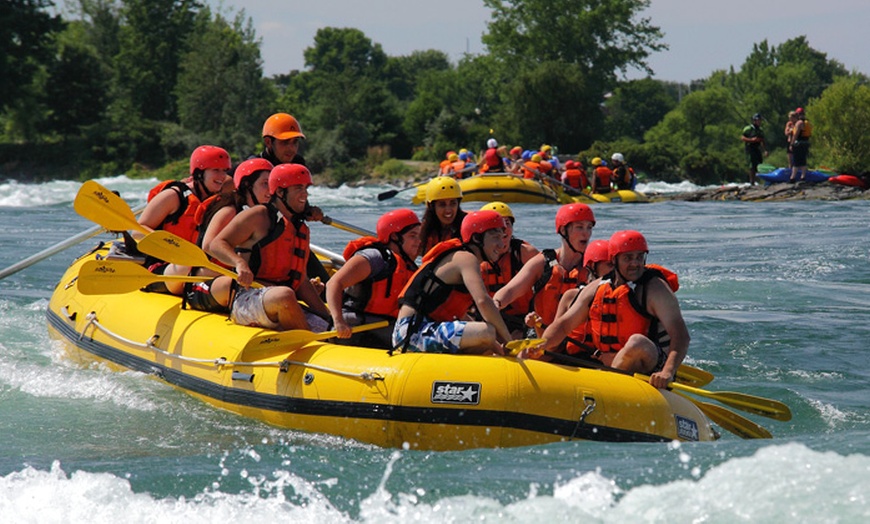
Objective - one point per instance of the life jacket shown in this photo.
(444, 167)
(603, 175)
(378, 294)
(552, 284)
(529, 169)
(617, 313)
(182, 222)
(282, 255)
(505, 269)
(576, 178)
(806, 131)
(621, 173)
(456, 168)
(432, 297)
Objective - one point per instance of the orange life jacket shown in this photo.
(507, 267)
(553, 283)
(432, 297)
(281, 256)
(182, 222)
(603, 175)
(378, 294)
(576, 178)
(529, 169)
(616, 313)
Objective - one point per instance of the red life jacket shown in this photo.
(604, 176)
(182, 222)
(281, 256)
(496, 278)
(378, 294)
(432, 297)
(616, 313)
(553, 283)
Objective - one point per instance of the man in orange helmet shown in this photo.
(282, 136)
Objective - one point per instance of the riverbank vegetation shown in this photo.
(127, 86)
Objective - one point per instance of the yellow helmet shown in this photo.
(442, 188)
(596, 161)
(499, 207)
(536, 158)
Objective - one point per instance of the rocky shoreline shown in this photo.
(769, 193)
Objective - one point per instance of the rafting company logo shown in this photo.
(102, 268)
(455, 393)
(172, 242)
(101, 196)
(687, 428)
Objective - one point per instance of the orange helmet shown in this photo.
(480, 222)
(282, 126)
(573, 213)
(249, 167)
(286, 175)
(209, 157)
(395, 222)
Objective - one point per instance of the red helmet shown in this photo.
(286, 175)
(480, 222)
(573, 213)
(209, 157)
(569, 164)
(625, 242)
(596, 251)
(249, 167)
(395, 221)
(282, 126)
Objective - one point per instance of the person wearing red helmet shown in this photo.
(434, 305)
(172, 205)
(552, 272)
(250, 188)
(366, 288)
(634, 319)
(270, 244)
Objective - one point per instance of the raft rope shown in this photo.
(283, 365)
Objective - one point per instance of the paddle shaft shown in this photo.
(329, 221)
(299, 337)
(107, 277)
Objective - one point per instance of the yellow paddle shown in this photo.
(296, 338)
(749, 403)
(514, 347)
(176, 250)
(334, 222)
(109, 277)
(101, 206)
(727, 419)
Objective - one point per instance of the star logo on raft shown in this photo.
(444, 392)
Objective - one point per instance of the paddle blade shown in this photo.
(101, 206)
(692, 376)
(109, 277)
(388, 194)
(515, 347)
(728, 420)
(296, 338)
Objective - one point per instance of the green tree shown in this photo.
(26, 33)
(221, 94)
(599, 36)
(841, 122)
(635, 107)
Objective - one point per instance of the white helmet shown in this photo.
(491, 143)
(617, 157)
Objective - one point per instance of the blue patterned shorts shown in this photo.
(431, 337)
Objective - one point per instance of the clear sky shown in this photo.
(703, 35)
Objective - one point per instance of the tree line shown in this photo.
(118, 84)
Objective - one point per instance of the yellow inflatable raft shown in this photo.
(425, 401)
(503, 187)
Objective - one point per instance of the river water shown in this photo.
(775, 296)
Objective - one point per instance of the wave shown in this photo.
(788, 482)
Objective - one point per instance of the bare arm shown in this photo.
(160, 207)
(520, 283)
(355, 270)
(663, 304)
(577, 314)
(218, 222)
(469, 267)
(245, 229)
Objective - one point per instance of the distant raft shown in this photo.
(504, 187)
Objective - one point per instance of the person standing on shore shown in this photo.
(800, 145)
(789, 130)
(754, 144)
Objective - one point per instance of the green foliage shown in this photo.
(635, 107)
(393, 168)
(841, 125)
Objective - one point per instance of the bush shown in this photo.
(392, 168)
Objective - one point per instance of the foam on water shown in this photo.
(780, 483)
